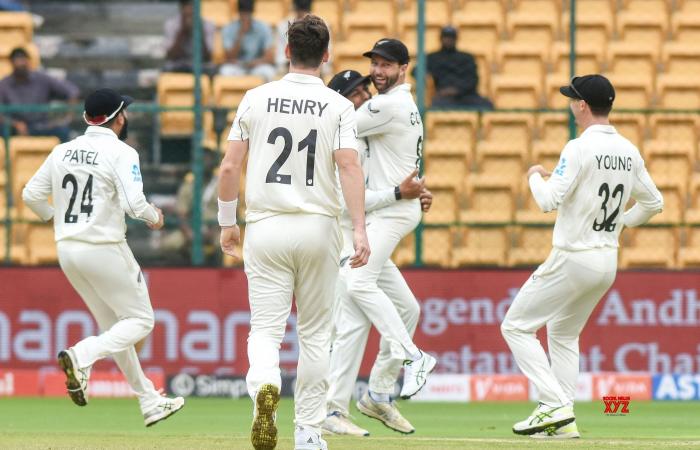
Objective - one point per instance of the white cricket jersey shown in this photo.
(595, 178)
(293, 127)
(392, 124)
(93, 180)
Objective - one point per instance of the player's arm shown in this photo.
(230, 180)
(352, 182)
(36, 193)
(410, 188)
(374, 116)
(549, 194)
(649, 200)
(130, 190)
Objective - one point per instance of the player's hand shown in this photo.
(426, 200)
(411, 187)
(361, 245)
(161, 220)
(538, 169)
(230, 238)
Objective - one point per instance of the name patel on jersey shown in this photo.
(609, 162)
(294, 106)
(81, 157)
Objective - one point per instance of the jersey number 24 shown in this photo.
(69, 181)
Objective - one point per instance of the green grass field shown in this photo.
(219, 423)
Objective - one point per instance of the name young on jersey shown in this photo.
(608, 162)
(76, 156)
(294, 106)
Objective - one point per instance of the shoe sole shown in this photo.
(369, 413)
(263, 435)
(72, 384)
(169, 414)
(407, 396)
(540, 428)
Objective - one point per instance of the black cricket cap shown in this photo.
(448, 30)
(391, 49)
(596, 90)
(103, 105)
(346, 81)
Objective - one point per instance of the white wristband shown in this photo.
(227, 213)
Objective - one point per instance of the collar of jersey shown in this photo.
(599, 129)
(302, 78)
(100, 130)
(401, 87)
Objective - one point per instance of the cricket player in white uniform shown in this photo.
(596, 176)
(297, 131)
(95, 179)
(351, 324)
(393, 128)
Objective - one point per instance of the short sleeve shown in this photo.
(346, 134)
(241, 123)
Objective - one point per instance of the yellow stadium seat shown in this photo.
(271, 11)
(689, 254)
(438, 13)
(41, 245)
(674, 202)
(554, 98)
(217, 12)
(405, 252)
(594, 23)
(631, 125)
(633, 59)
(27, 154)
(480, 24)
(347, 57)
(589, 58)
(632, 91)
(529, 212)
(229, 91)
(16, 28)
(481, 246)
(451, 133)
(500, 168)
(650, 247)
(533, 246)
(523, 59)
(368, 21)
(18, 248)
(507, 134)
(692, 215)
(681, 58)
(511, 91)
(673, 134)
(437, 246)
(538, 26)
(177, 89)
(552, 6)
(446, 171)
(444, 207)
(647, 27)
(330, 11)
(488, 202)
(685, 27)
(553, 134)
(678, 91)
(671, 171)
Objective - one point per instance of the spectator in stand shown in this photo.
(455, 74)
(28, 87)
(249, 45)
(178, 41)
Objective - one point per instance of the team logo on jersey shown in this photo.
(369, 107)
(561, 167)
(136, 173)
(346, 75)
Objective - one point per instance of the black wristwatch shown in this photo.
(397, 193)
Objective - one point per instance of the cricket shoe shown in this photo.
(76, 379)
(415, 374)
(386, 412)
(338, 423)
(165, 408)
(544, 417)
(263, 434)
(569, 431)
(306, 438)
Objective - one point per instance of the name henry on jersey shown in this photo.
(77, 156)
(294, 106)
(609, 162)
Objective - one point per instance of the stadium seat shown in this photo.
(681, 58)
(647, 27)
(678, 91)
(505, 134)
(41, 245)
(445, 171)
(271, 11)
(405, 252)
(451, 133)
(529, 212)
(18, 249)
(487, 201)
(229, 91)
(632, 91)
(330, 10)
(27, 154)
(500, 168)
(594, 23)
(16, 28)
(552, 83)
(368, 21)
(689, 254)
(347, 57)
(437, 246)
(533, 245)
(552, 135)
(632, 59)
(670, 171)
(631, 125)
(674, 202)
(480, 24)
(685, 26)
(539, 26)
(438, 13)
(478, 246)
(444, 208)
(692, 215)
(511, 91)
(589, 58)
(673, 134)
(217, 12)
(523, 59)
(177, 89)
(650, 247)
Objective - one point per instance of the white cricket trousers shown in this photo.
(385, 229)
(109, 280)
(560, 294)
(351, 329)
(285, 255)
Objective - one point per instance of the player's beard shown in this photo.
(124, 132)
(389, 82)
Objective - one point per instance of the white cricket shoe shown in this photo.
(306, 438)
(76, 378)
(263, 434)
(165, 408)
(569, 431)
(338, 423)
(544, 417)
(386, 412)
(415, 374)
